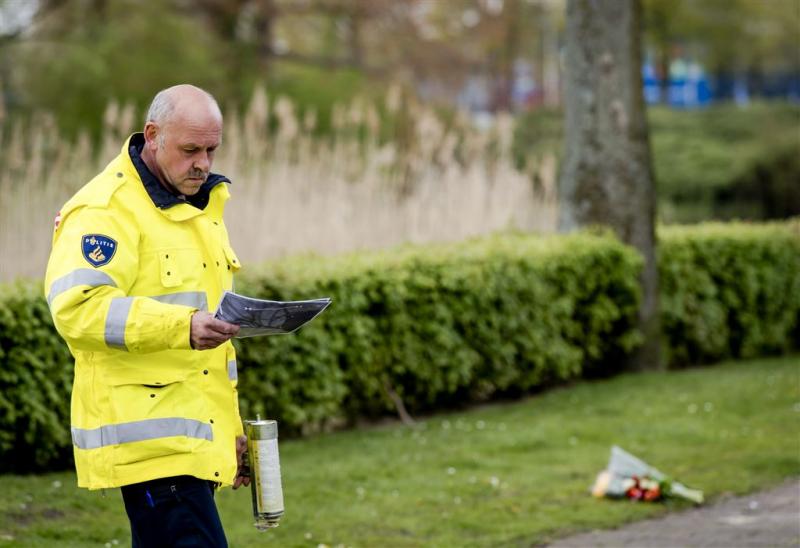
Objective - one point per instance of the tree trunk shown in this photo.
(264, 24)
(509, 55)
(547, 76)
(606, 176)
(356, 18)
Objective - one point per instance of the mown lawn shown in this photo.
(510, 474)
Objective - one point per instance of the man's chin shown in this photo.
(190, 187)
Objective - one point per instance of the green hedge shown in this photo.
(441, 325)
(35, 383)
(445, 325)
(729, 290)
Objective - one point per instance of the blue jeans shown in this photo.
(173, 512)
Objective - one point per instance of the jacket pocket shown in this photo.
(231, 258)
(232, 265)
(155, 418)
(140, 374)
(170, 269)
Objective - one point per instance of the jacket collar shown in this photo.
(163, 198)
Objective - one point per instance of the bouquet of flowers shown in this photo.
(630, 477)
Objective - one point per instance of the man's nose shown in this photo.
(203, 162)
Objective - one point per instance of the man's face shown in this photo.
(184, 149)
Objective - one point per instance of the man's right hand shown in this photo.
(208, 332)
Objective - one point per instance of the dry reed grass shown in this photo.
(293, 192)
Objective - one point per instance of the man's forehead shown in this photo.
(197, 131)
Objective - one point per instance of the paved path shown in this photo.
(769, 518)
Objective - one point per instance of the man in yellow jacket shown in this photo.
(140, 254)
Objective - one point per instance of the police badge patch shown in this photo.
(98, 249)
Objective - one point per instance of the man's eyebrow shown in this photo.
(196, 145)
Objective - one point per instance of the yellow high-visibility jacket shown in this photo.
(130, 265)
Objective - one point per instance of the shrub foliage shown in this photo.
(729, 290)
(441, 325)
(434, 327)
(35, 382)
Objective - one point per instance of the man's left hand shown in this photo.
(242, 472)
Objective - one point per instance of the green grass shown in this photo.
(512, 474)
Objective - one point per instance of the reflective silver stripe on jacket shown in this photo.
(81, 276)
(115, 321)
(114, 434)
(233, 374)
(195, 299)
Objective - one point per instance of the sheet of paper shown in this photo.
(262, 317)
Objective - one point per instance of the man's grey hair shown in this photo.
(163, 106)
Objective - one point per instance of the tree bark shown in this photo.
(264, 23)
(607, 173)
(509, 54)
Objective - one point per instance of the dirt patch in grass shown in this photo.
(29, 515)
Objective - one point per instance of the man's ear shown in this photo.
(151, 133)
